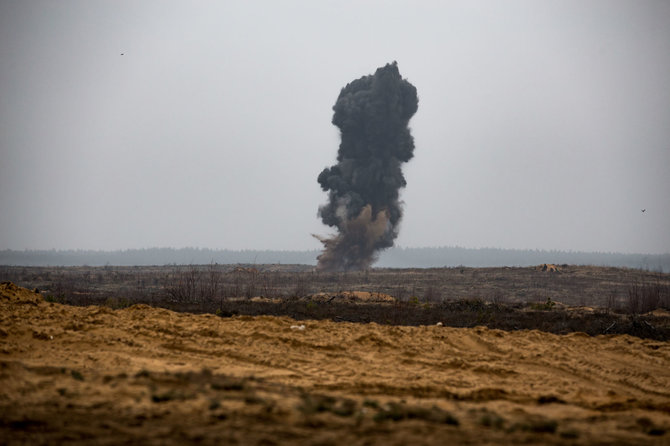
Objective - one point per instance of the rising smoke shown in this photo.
(372, 114)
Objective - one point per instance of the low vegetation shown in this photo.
(558, 299)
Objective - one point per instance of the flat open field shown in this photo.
(208, 284)
(558, 299)
(93, 374)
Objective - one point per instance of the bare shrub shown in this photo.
(665, 297)
(498, 298)
(182, 285)
(269, 287)
(401, 293)
(432, 294)
(612, 302)
(250, 289)
(651, 297)
(634, 298)
(210, 283)
(643, 298)
(300, 289)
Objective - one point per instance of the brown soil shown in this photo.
(548, 267)
(143, 375)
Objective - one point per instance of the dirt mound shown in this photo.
(17, 294)
(352, 297)
(548, 267)
(660, 312)
(81, 375)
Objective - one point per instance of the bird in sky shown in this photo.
(644, 210)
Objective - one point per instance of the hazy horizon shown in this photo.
(130, 125)
(396, 257)
(318, 249)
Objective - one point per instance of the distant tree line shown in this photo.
(490, 257)
(152, 256)
(392, 258)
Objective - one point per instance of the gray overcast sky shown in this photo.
(541, 124)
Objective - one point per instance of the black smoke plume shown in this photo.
(373, 114)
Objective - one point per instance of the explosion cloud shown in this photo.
(373, 114)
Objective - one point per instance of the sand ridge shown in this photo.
(146, 373)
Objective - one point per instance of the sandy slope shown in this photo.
(72, 374)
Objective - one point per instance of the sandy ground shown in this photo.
(145, 375)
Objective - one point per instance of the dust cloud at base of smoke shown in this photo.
(355, 247)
